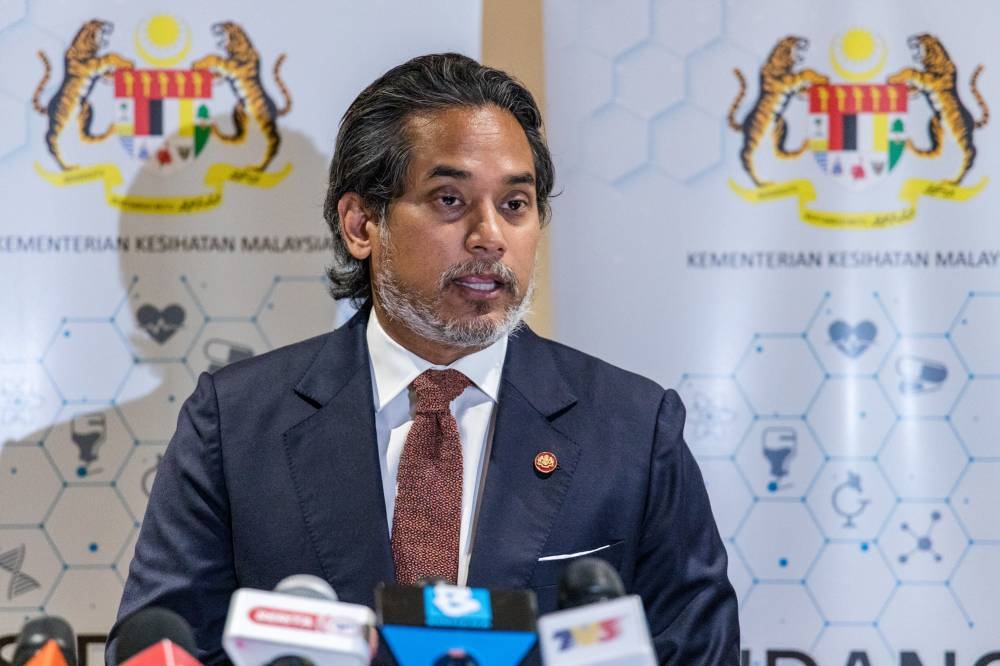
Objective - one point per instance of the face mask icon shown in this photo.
(779, 445)
(88, 432)
(919, 375)
(221, 353)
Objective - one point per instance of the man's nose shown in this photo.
(486, 233)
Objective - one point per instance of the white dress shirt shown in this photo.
(393, 368)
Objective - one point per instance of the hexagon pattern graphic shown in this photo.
(857, 502)
(634, 91)
(28, 401)
(717, 414)
(29, 566)
(26, 471)
(851, 417)
(850, 582)
(87, 360)
(851, 499)
(89, 525)
(981, 312)
(852, 459)
(774, 612)
(923, 375)
(728, 492)
(684, 26)
(851, 336)
(979, 593)
(84, 427)
(921, 632)
(977, 419)
(923, 459)
(780, 375)
(976, 498)
(779, 540)
(88, 443)
(779, 458)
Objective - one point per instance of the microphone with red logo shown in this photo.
(597, 624)
(45, 641)
(300, 622)
(155, 637)
(447, 625)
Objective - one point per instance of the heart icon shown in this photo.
(852, 340)
(160, 324)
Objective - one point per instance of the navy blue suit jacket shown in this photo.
(274, 471)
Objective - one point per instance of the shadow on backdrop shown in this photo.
(200, 291)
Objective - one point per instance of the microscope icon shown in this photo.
(847, 501)
(779, 444)
(88, 432)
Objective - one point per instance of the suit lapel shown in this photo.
(333, 458)
(519, 505)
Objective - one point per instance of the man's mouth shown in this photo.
(485, 285)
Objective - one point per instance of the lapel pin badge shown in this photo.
(546, 462)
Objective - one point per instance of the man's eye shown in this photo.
(517, 204)
(449, 200)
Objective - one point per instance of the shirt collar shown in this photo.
(394, 367)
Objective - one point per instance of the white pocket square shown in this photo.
(568, 556)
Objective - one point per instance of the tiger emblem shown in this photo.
(937, 81)
(779, 83)
(83, 69)
(241, 68)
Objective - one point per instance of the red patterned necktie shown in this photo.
(427, 520)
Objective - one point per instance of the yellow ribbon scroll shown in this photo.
(910, 193)
(216, 178)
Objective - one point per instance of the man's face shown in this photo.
(455, 261)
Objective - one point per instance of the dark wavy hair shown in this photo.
(373, 147)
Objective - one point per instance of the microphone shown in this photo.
(300, 622)
(446, 625)
(155, 637)
(596, 624)
(45, 641)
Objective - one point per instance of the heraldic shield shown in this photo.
(857, 132)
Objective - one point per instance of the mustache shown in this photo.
(503, 273)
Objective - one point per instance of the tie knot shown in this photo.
(437, 388)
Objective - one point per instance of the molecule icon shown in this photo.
(923, 542)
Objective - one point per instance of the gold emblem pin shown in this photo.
(546, 462)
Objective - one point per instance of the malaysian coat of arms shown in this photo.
(163, 115)
(859, 130)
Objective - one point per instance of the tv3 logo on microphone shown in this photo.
(588, 634)
(290, 619)
(453, 606)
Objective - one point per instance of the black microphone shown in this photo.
(596, 624)
(436, 624)
(587, 581)
(155, 637)
(45, 641)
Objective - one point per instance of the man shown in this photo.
(432, 435)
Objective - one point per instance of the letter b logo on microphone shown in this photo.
(452, 606)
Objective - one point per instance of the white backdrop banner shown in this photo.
(162, 173)
(787, 210)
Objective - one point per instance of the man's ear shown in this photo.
(357, 225)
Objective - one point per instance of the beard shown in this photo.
(422, 315)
